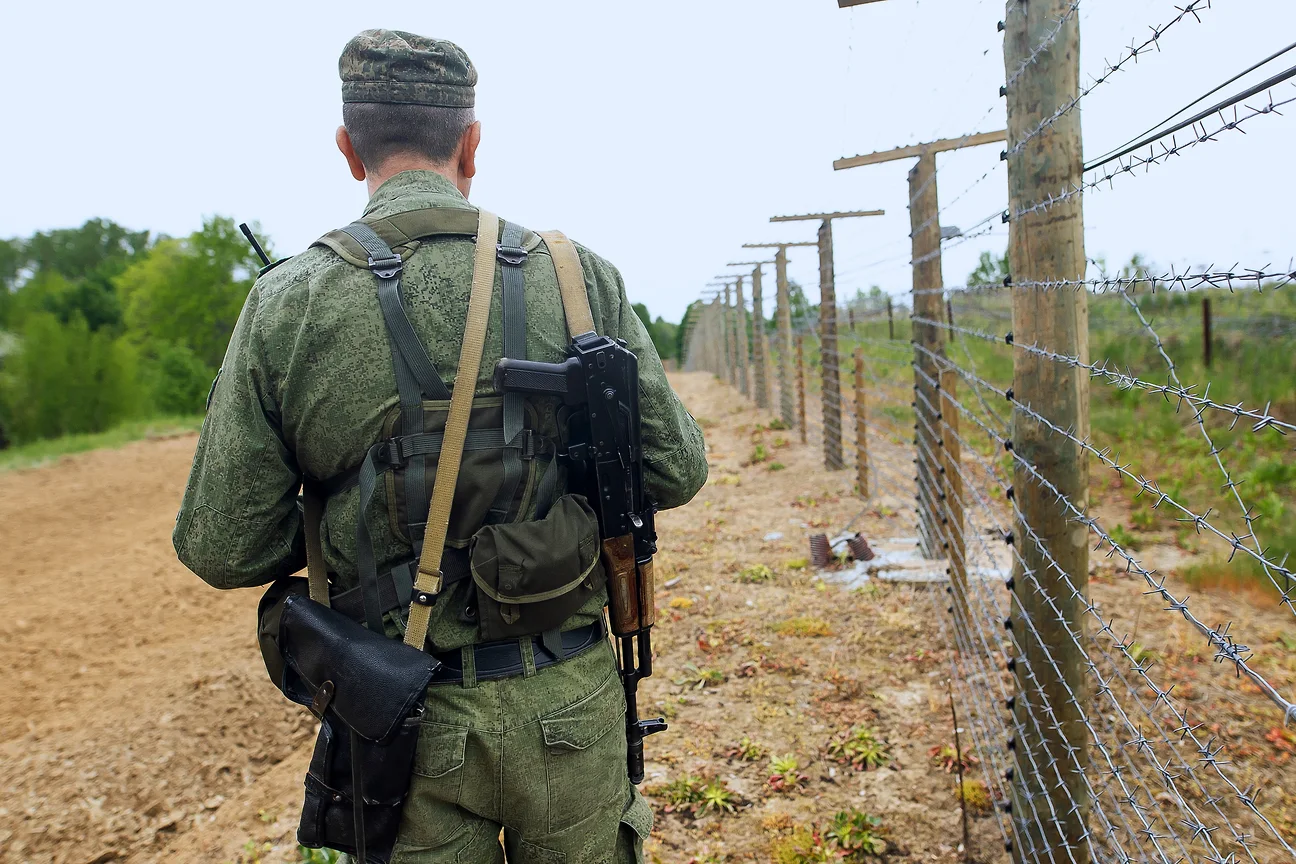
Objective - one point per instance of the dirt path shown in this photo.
(143, 728)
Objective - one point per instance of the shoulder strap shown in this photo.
(428, 581)
(401, 229)
(571, 282)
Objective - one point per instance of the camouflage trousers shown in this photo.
(540, 758)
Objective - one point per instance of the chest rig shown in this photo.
(532, 553)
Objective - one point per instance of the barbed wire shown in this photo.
(1127, 165)
(1131, 54)
(1233, 279)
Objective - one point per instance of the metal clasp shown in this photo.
(385, 268)
(511, 255)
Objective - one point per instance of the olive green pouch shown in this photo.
(531, 576)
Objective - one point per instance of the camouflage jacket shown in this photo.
(308, 379)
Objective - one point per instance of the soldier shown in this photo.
(337, 376)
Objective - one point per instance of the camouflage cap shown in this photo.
(396, 67)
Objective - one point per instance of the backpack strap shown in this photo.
(571, 282)
(429, 580)
(511, 256)
(402, 231)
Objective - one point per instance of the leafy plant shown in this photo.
(976, 796)
(776, 466)
(860, 747)
(785, 774)
(777, 424)
(945, 757)
(694, 796)
(758, 455)
(746, 750)
(856, 835)
(318, 856)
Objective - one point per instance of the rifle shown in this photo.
(604, 454)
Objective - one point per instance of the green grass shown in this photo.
(39, 452)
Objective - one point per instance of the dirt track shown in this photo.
(143, 728)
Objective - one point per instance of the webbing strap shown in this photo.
(316, 570)
(366, 565)
(571, 282)
(428, 581)
(511, 257)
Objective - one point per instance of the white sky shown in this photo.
(663, 135)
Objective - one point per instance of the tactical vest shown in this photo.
(533, 554)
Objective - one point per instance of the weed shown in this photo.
(797, 563)
(944, 756)
(776, 466)
(1123, 538)
(696, 796)
(1143, 518)
(777, 425)
(318, 856)
(700, 679)
(860, 747)
(681, 603)
(856, 835)
(976, 796)
(803, 625)
(758, 455)
(755, 573)
(746, 750)
(785, 774)
(804, 846)
(780, 442)
(844, 688)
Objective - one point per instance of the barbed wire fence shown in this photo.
(969, 414)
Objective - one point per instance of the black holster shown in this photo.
(367, 691)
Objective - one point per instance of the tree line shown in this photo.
(101, 324)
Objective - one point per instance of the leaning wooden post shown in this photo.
(929, 340)
(743, 341)
(890, 320)
(861, 426)
(800, 385)
(1048, 245)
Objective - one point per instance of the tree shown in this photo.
(189, 292)
(989, 270)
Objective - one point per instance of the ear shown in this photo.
(468, 151)
(343, 139)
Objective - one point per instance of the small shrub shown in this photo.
(804, 626)
(758, 455)
(681, 603)
(860, 747)
(777, 425)
(776, 466)
(755, 573)
(797, 563)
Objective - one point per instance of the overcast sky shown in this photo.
(663, 135)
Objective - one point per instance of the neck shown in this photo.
(396, 164)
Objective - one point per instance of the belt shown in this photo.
(495, 660)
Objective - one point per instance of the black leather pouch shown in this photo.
(367, 690)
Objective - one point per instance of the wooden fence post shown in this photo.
(1206, 331)
(800, 386)
(731, 338)
(1047, 245)
(861, 426)
(830, 362)
(784, 311)
(890, 320)
(761, 360)
(929, 342)
(743, 342)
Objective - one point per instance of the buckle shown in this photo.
(385, 268)
(389, 453)
(511, 255)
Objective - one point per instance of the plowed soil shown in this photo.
(137, 723)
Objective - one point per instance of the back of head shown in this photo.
(405, 94)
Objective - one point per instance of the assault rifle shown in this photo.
(600, 380)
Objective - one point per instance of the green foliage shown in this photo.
(177, 380)
(990, 270)
(318, 856)
(860, 747)
(785, 774)
(46, 449)
(65, 380)
(696, 796)
(755, 573)
(190, 292)
(856, 834)
(851, 837)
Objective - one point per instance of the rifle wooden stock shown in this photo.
(623, 593)
(647, 592)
